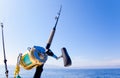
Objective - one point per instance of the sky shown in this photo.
(89, 29)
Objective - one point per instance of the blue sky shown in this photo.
(89, 29)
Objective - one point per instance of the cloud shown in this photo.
(80, 62)
(113, 62)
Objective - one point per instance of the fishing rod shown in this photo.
(37, 55)
(65, 55)
(53, 31)
(5, 60)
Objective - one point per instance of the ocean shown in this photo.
(64, 73)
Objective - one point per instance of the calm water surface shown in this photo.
(65, 73)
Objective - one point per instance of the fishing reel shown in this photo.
(37, 56)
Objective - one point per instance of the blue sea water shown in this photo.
(65, 73)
